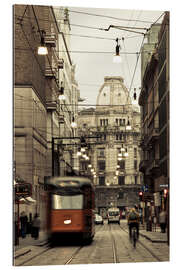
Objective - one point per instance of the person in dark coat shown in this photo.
(36, 226)
(162, 221)
(24, 221)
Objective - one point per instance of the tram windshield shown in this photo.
(67, 202)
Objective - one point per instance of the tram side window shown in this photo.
(67, 202)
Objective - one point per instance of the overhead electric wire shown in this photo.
(100, 52)
(110, 17)
(84, 105)
(158, 19)
(78, 25)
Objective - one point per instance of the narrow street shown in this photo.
(111, 245)
(91, 135)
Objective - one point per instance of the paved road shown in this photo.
(111, 245)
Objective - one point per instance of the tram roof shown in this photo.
(56, 180)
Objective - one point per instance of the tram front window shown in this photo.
(67, 202)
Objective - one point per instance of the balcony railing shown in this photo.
(50, 39)
(51, 72)
(51, 105)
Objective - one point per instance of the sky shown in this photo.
(93, 54)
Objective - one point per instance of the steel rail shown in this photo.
(113, 246)
(30, 259)
(73, 255)
(149, 250)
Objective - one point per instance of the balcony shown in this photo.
(61, 119)
(153, 136)
(60, 63)
(154, 167)
(51, 72)
(50, 39)
(143, 165)
(51, 105)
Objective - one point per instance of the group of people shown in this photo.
(29, 227)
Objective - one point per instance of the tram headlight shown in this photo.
(67, 221)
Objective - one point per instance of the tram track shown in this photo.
(114, 250)
(35, 256)
(113, 245)
(142, 244)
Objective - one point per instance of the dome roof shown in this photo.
(113, 92)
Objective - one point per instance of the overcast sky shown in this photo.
(91, 68)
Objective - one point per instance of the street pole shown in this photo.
(52, 156)
(18, 223)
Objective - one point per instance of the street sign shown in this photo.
(144, 188)
(23, 189)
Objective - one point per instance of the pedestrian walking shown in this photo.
(36, 226)
(162, 221)
(23, 221)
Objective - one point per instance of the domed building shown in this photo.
(112, 130)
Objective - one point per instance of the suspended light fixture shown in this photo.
(73, 124)
(122, 148)
(126, 153)
(83, 149)
(78, 153)
(134, 94)
(61, 93)
(42, 49)
(89, 166)
(117, 58)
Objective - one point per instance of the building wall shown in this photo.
(154, 99)
(93, 122)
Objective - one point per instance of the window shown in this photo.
(135, 164)
(135, 179)
(135, 152)
(121, 180)
(101, 152)
(122, 164)
(120, 195)
(101, 180)
(120, 136)
(67, 202)
(103, 122)
(101, 165)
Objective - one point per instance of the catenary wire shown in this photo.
(110, 17)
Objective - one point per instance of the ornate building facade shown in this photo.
(114, 156)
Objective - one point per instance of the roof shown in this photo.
(55, 181)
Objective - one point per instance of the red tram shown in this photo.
(70, 207)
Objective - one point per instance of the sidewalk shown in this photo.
(26, 244)
(153, 236)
